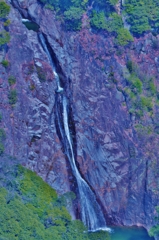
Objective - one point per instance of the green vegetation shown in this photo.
(2, 134)
(41, 74)
(7, 23)
(141, 94)
(143, 15)
(2, 138)
(12, 96)
(143, 130)
(5, 63)
(112, 24)
(70, 10)
(98, 20)
(124, 37)
(113, 2)
(154, 231)
(102, 16)
(48, 6)
(4, 37)
(31, 209)
(73, 17)
(152, 87)
(1, 117)
(1, 148)
(32, 86)
(146, 103)
(130, 66)
(11, 80)
(135, 83)
(4, 9)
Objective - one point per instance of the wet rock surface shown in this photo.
(119, 166)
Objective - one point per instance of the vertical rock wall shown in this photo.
(109, 154)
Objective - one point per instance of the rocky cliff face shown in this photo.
(119, 164)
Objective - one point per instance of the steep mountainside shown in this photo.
(114, 109)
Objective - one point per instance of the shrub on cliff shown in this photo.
(4, 9)
(124, 37)
(2, 134)
(1, 148)
(12, 96)
(5, 63)
(130, 66)
(142, 15)
(154, 231)
(113, 23)
(73, 18)
(41, 74)
(135, 83)
(98, 20)
(11, 80)
(2, 138)
(4, 37)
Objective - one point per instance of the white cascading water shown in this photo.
(59, 88)
(91, 212)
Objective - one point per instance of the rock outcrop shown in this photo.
(119, 166)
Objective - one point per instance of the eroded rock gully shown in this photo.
(119, 167)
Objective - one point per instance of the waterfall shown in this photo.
(42, 39)
(91, 212)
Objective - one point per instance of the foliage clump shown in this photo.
(4, 9)
(41, 74)
(141, 98)
(7, 23)
(102, 16)
(2, 138)
(154, 231)
(72, 17)
(124, 37)
(142, 15)
(1, 148)
(12, 96)
(113, 23)
(11, 80)
(2, 134)
(4, 37)
(5, 63)
(31, 209)
(70, 10)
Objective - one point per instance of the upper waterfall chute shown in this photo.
(42, 39)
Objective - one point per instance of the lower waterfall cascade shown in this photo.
(91, 212)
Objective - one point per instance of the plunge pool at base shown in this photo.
(131, 233)
(121, 233)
